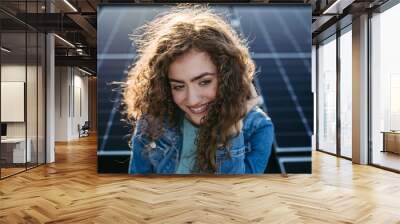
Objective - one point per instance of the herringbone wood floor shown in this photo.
(71, 191)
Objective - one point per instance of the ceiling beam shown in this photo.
(86, 27)
(83, 61)
(337, 7)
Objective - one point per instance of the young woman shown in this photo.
(191, 100)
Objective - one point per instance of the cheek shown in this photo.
(177, 98)
(211, 92)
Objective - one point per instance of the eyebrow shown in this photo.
(193, 79)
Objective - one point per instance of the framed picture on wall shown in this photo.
(204, 88)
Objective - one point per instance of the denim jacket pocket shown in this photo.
(164, 155)
(230, 162)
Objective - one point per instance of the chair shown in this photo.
(84, 130)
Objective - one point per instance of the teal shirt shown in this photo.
(188, 157)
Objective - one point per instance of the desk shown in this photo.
(391, 141)
(16, 147)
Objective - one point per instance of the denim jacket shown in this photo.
(249, 151)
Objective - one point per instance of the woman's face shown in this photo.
(194, 83)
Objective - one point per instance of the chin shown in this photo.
(196, 120)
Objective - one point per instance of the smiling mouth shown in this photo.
(199, 109)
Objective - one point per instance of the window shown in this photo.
(346, 92)
(327, 95)
(385, 88)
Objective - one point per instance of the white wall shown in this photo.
(13, 72)
(16, 73)
(80, 101)
(71, 94)
(62, 81)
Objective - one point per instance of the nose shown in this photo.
(193, 97)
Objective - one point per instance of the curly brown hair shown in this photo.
(148, 93)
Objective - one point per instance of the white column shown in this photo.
(50, 110)
(360, 90)
(50, 93)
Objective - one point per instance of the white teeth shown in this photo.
(198, 110)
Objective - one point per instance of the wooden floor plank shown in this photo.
(71, 191)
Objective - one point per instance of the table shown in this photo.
(15, 148)
(391, 141)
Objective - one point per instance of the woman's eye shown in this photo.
(205, 82)
(177, 87)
